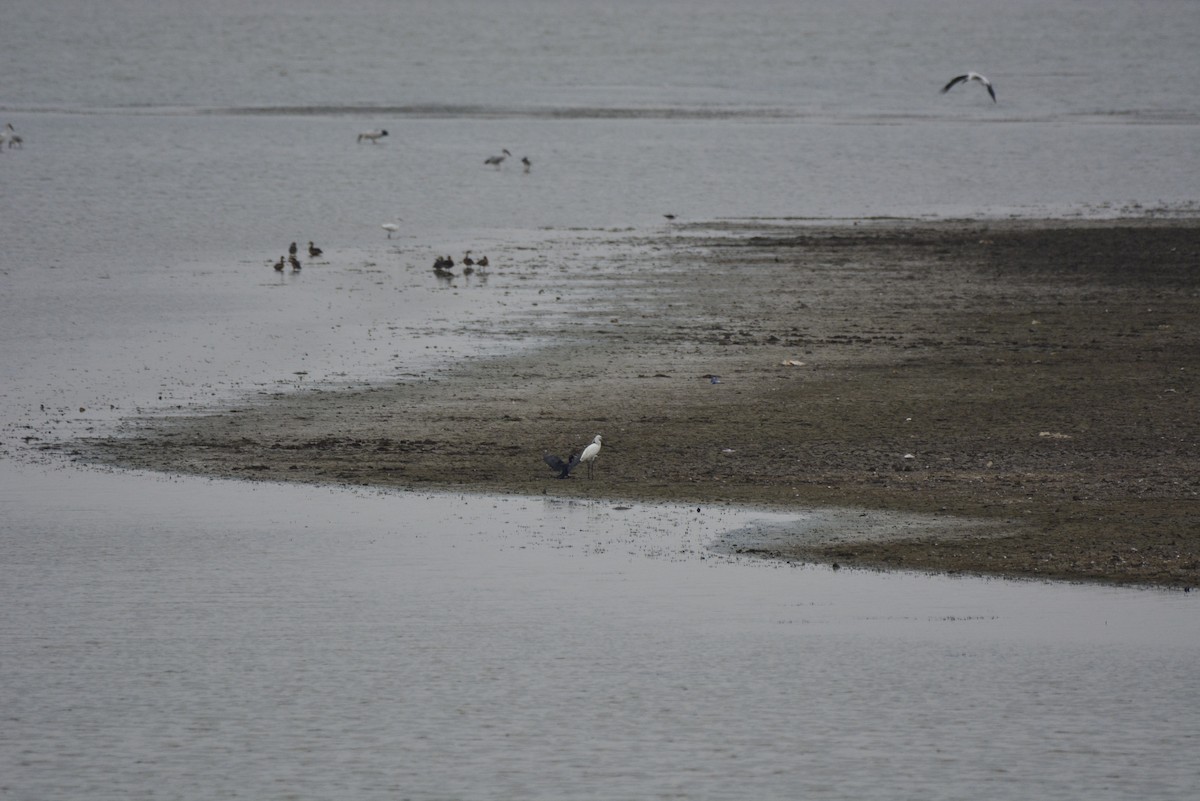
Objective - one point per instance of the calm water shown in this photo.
(177, 638)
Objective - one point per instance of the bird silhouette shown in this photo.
(559, 466)
(496, 161)
(372, 136)
(970, 76)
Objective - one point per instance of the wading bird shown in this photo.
(295, 263)
(279, 265)
(391, 228)
(496, 161)
(525, 161)
(11, 136)
(970, 76)
(372, 136)
(590, 453)
(313, 250)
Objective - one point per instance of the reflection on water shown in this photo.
(213, 638)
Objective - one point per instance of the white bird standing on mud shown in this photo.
(590, 453)
(970, 76)
(391, 228)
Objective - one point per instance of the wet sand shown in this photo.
(1025, 391)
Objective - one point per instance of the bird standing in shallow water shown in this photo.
(590, 453)
(372, 136)
(391, 228)
(496, 161)
(11, 136)
(526, 162)
(279, 265)
(295, 263)
(292, 249)
(970, 76)
(313, 250)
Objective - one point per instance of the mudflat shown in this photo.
(1031, 386)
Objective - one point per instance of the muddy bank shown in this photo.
(1034, 384)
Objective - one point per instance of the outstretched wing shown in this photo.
(953, 82)
(559, 466)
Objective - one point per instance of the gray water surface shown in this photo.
(169, 637)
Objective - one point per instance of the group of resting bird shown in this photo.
(313, 252)
(443, 264)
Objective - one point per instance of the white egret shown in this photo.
(590, 453)
(391, 228)
(971, 76)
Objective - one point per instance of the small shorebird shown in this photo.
(590, 453)
(525, 161)
(372, 136)
(496, 161)
(391, 228)
(295, 263)
(467, 260)
(292, 249)
(279, 265)
(970, 76)
(10, 136)
(313, 250)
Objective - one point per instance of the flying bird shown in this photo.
(559, 466)
(971, 76)
(590, 453)
(372, 136)
(496, 161)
